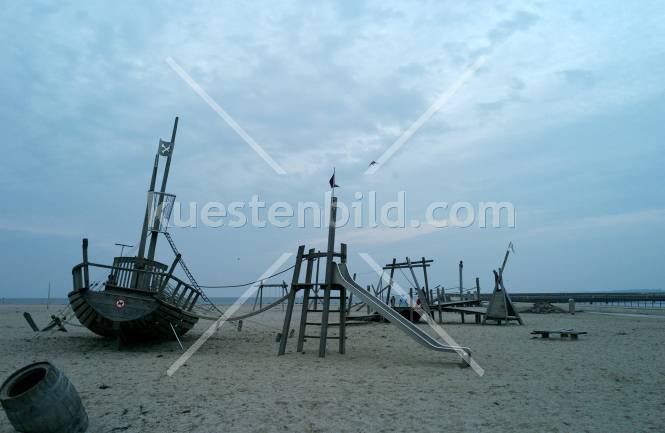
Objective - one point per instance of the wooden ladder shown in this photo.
(311, 295)
(325, 323)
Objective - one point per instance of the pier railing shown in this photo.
(610, 299)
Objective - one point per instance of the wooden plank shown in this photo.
(292, 301)
(426, 288)
(329, 276)
(86, 275)
(390, 280)
(196, 298)
(305, 302)
(30, 321)
(342, 321)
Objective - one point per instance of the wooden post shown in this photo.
(285, 288)
(461, 284)
(426, 288)
(390, 280)
(438, 296)
(477, 289)
(420, 293)
(411, 303)
(305, 300)
(166, 277)
(342, 320)
(259, 294)
(191, 304)
(144, 232)
(292, 300)
(329, 276)
(505, 259)
(316, 283)
(86, 275)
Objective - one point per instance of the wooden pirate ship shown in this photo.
(141, 298)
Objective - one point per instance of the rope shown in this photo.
(69, 322)
(407, 278)
(254, 313)
(247, 284)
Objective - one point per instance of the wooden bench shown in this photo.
(564, 333)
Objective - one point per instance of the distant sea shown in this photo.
(229, 300)
(64, 301)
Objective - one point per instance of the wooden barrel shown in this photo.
(40, 398)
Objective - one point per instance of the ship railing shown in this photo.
(163, 284)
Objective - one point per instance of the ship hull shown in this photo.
(129, 315)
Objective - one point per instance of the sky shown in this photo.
(563, 119)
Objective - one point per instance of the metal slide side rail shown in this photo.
(341, 276)
(190, 276)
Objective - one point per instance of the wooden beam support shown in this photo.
(305, 301)
(292, 301)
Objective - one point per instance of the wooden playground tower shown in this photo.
(311, 292)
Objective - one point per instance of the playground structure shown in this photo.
(465, 302)
(258, 299)
(500, 308)
(338, 285)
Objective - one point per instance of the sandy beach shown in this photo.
(609, 380)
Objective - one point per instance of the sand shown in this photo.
(611, 380)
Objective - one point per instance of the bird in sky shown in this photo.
(372, 163)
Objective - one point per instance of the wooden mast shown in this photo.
(155, 230)
(144, 231)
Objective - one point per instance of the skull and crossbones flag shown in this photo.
(165, 147)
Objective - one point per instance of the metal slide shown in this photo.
(341, 276)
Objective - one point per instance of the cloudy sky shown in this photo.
(564, 119)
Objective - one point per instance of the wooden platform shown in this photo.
(477, 312)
